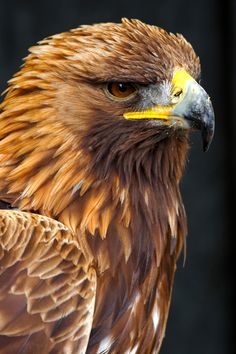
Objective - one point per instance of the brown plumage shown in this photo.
(87, 260)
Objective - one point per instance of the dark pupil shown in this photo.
(122, 87)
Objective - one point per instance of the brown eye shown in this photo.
(121, 90)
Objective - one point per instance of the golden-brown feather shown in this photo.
(45, 284)
(93, 272)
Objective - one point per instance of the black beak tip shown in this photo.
(207, 137)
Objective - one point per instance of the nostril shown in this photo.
(178, 93)
(176, 96)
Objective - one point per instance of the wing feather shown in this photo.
(46, 286)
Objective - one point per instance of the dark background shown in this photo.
(202, 311)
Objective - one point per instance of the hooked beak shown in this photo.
(190, 107)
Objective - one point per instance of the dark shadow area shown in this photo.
(201, 316)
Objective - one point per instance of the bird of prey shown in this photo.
(93, 141)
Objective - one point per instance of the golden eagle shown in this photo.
(93, 141)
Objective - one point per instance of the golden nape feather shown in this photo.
(93, 141)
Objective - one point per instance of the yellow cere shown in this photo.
(180, 79)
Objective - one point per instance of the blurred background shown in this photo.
(202, 311)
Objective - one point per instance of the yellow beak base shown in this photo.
(190, 106)
(180, 82)
(157, 112)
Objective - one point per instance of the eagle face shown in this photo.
(93, 140)
(116, 73)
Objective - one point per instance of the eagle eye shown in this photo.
(120, 90)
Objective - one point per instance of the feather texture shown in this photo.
(47, 290)
(88, 258)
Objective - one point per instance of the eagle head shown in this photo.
(116, 92)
